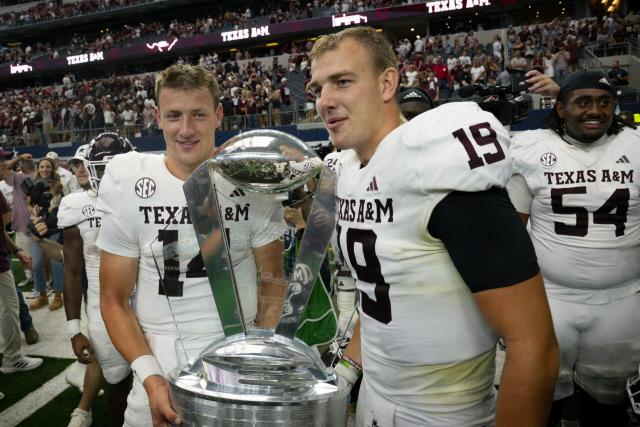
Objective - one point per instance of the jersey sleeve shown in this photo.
(69, 213)
(116, 234)
(458, 147)
(520, 194)
(268, 223)
(484, 223)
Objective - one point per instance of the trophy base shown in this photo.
(258, 379)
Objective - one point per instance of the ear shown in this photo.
(219, 114)
(389, 80)
(156, 113)
(560, 110)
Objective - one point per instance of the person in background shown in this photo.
(45, 173)
(13, 359)
(584, 226)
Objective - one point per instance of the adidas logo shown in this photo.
(373, 185)
(237, 193)
(412, 95)
(623, 159)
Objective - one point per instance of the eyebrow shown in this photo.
(589, 97)
(333, 78)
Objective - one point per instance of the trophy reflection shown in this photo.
(257, 376)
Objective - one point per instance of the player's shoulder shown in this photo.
(532, 137)
(79, 198)
(75, 208)
(133, 162)
(440, 124)
(457, 146)
(337, 159)
(526, 145)
(629, 135)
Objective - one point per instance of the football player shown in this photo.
(576, 184)
(442, 263)
(145, 211)
(80, 222)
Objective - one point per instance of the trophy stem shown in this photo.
(313, 248)
(204, 208)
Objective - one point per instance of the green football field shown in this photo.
(56, 411)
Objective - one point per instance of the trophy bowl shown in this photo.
(258, 379)
(267, 161)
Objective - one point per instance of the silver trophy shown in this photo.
(257, 376)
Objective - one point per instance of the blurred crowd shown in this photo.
(258, 94)
(47, 11)
(265, 12)
(441, 65)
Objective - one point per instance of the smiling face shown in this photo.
(188, 119)
(45, 169)
(588, 113)
(356, 103)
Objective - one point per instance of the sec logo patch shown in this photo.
(145, 188)
(548, 159)
(88, 211)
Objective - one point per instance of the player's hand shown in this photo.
(24, 259)
(162, 414)
(542, 84)
(345, 377)
(82, 349)
(293, 216)
(41, 227)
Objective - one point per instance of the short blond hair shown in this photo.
(375, 43)
(188, 77)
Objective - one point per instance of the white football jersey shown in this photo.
(145, 213)
(79, 209)
(584, 211)
(425, 342)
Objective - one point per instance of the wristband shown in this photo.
(351, 364)
(73, 327)
(146, 366)
(345, 372)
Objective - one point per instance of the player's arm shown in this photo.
(72, 295)
(118, 275)
(22, 256)
(269, 261)
(51, 248)
(493, 253)
(520, 195)
(349, 367)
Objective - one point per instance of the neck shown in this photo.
(365, 153)
(582, 144)
(179, 170)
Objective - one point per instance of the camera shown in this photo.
(40, 195)
(508, 103)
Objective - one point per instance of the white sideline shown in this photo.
(18, 412)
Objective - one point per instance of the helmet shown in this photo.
(78, 158)
(101, 149)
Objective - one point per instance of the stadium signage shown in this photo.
(20, 68)
(346, 20)
(317, 25)
(85, 57)
(448, 5)
(245, 33)
(162, 45)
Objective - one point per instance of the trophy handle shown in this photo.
(313, 248)
(204, 208)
